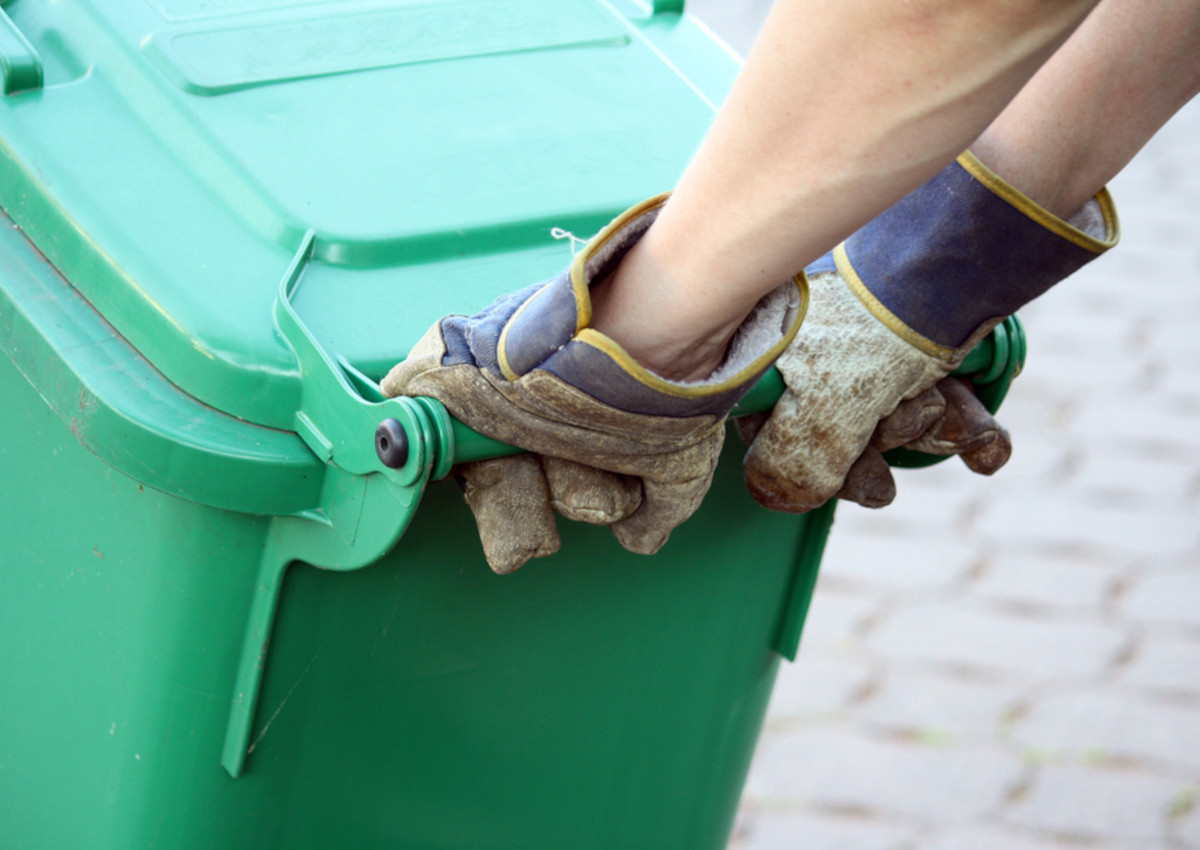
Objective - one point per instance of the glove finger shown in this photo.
(511, 504)
(425, 356)
(798, 462)
(669, 500)
(966, 429)
(990, 458)
(909, 420)
(869, 481)
(587, 494)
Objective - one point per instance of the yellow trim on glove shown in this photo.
(1001, 188)
(876, 308)
(579, 281)
(502, 344)
(642, 375)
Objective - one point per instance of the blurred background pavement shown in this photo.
(1014, 663)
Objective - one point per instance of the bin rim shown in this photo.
(126, 413)
(169, 169)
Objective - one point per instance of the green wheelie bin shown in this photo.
(224, 621)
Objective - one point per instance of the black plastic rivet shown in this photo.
(391, 443)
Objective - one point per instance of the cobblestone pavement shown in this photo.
(1014, 663)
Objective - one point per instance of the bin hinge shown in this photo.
(380, 454)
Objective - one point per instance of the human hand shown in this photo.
(947, 419)
(854, 390)
(892, 314)
(613, 442)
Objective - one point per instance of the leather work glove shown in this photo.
(947, 419)
(613, 443)
(894, 310)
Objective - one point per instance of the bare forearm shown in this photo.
(1130, 66)
(842, 108)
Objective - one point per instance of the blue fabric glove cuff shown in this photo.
(546, 326)
(963, 248)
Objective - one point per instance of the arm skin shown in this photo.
(842, 108)
(814, 142)
(1129, 67)
(809, 146)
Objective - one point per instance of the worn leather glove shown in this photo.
(613, 443)
(893, 311)
(947, 419)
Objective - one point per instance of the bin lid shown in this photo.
(176, 152)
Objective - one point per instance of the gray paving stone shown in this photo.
(1175, 336)
(1041, 454)
(1103, 493)
(1040, 319)
(1187, 829)
(1154, 227)
(1158, 168)
(834, 617)
(1075, 334)
(1169, 273)
(1032, 418)
(1168, 664)
(818, 683)
(795, 831)
(1101, 724)
(895, 564)
(1074, 373)
(1050, 520)
(833, 767)
(1030, 647)
(936, 706)
(1168, 596)
(1143, 483)
(1180, 380)
(987, 837)
(938, 502)
(1153, 424)
(1177, 201)
(926, 499)
(1097, 803)
(1046, 581)
(917, 514)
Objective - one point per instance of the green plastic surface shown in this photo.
(120, 408)
(222, 224)
(20, 66)
(180, 150)
(595, 699)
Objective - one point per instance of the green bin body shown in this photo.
(163, 166)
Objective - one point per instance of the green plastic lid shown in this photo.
(172, 154)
